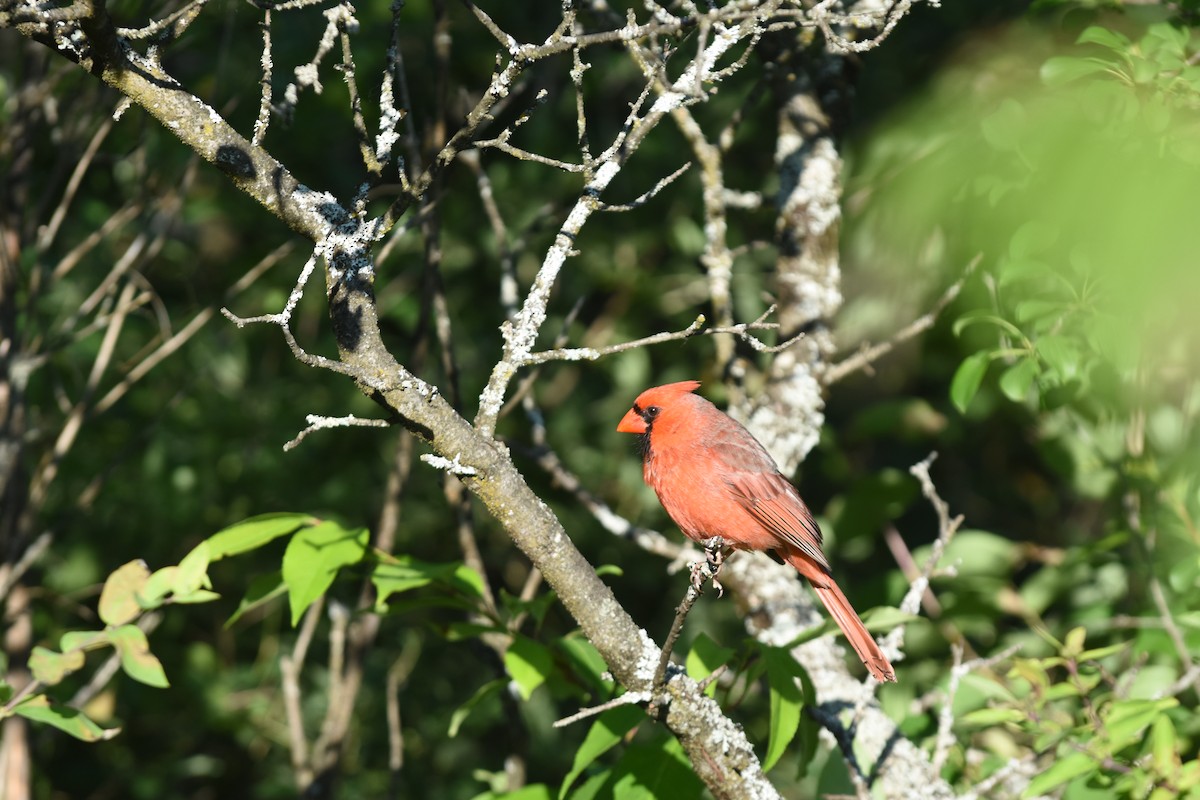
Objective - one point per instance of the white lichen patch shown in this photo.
(453, 466)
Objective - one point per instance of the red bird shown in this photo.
(715, 479)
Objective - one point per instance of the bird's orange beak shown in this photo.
(632, 422)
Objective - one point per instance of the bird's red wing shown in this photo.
(772, 500)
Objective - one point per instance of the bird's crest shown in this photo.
(659, 393)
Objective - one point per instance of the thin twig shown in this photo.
(944, 739)
(627, 699)
(868, 355)
(947, 527)
(316, 422)
(31, 555)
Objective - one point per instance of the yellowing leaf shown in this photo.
(119, 597)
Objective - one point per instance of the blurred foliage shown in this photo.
(1060, 391)
(1071, 171)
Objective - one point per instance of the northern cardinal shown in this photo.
(715, 479)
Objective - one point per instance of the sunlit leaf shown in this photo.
(119, 597)
(1017, 380)
(82, 640)
(705, 656)
(157, 587)
(136, 659)
(313, 558)
(586, 659)
(987, 717)
(535, 791)
(51, 667)
(253, 533)
(1164, 745)
(529, 664)
(1073, 642)
(69, 720)
(193, 571)
(1064, 769)
(1126, 720)
(1098, 653)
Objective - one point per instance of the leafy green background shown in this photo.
(1059, 390)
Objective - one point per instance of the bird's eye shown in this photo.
(651, 412)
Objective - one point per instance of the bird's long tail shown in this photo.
(844, 615)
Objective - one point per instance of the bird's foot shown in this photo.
(714, 557)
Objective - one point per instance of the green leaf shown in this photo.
(655, 770)
(83, 640)
(529, 664)
(261, 591)
(1067, 768)
(1060, 354)
(989, 717)
(1103, 652)
(1164, 746)
(1113, 40)
(608, 730)
(466, 580)
(182, 583)
(1144, 71)
(39, 708)
(489, 689)
(1126, 720)
(193, 571)
(119, 597)
(586, 659)
(984, 318)
(1061, 70)
(704, 657)
(136, 659)
(198, 596)
(597, 786)
(253, 533)
(157, 587)
(882, 619)
(394, 578)
(967, 379)
(313, 558)
(1017, 380)
(51, 667)
(1170, 39)
(1073, 642)
(786, 701)
(404, 573)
